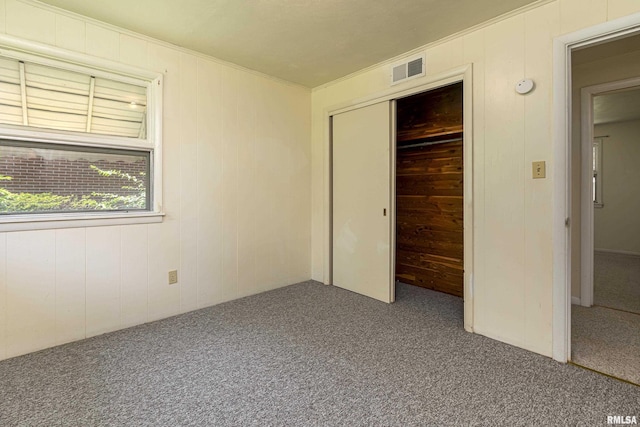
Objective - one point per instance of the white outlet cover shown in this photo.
(524, 86)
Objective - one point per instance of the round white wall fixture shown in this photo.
(524, 86)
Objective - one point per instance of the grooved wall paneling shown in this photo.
(3, 296)
(103, 279)
(70, 296)
(236, 193)
(30, 291)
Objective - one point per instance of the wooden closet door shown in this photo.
(361, 201)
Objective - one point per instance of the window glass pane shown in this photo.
(597, 173)
(39, 178)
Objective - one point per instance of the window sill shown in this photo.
(53, 221)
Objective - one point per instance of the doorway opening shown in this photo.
(429, 196)
(605, 311)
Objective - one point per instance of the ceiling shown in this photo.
(309, 42)
(616, 107)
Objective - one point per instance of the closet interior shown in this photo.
(429, 190)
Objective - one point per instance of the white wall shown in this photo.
(512, 212)
(236, 194)
(617, 223)
(592, 73)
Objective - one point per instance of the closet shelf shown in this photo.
(432, 134)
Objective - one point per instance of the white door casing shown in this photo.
(563, 46)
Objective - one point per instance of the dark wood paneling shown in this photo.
(434, 219)
(447, 249)
(430, 166)
(442, 204)
(430, 279)
(423, 232)
(433, 262)
(436, 151)
(433, 114)
(429, 217)
(429, 189)
(446, 184)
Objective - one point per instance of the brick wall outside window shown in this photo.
(66, 177)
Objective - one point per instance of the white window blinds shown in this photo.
(47, 97)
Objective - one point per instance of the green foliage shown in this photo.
(109, 201)
(48, 202)
(29, 202)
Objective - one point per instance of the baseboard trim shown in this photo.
(575, 300)
(615, 251)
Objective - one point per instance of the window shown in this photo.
(41, 178)
(597, 173)
(77, 142)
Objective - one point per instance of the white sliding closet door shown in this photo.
(361, 201)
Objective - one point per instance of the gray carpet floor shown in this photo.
(606, 340)
(306, 355)
(616, 281)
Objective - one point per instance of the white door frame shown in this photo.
(586, 206)
(562, 169)
(462, 74)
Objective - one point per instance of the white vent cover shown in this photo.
(407, 69)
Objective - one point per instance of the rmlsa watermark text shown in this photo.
(622, 420)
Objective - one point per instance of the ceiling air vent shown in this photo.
(409, 68)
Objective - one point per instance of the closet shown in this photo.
(429, 190)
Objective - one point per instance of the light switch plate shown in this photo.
(539, 170)
(173, 277)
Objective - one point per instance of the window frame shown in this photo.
(597, 172)
(28, 51)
